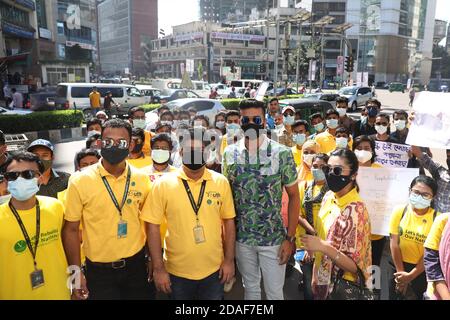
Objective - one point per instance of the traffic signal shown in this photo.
(349, 64)
(233, 67)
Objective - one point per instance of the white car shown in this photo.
(357, 96)
(206, 107)
(21, 112)
(149, 93)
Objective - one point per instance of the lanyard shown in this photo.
(125, 193)
(197, 206)
(24, 230)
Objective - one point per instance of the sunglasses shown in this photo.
(256, 120)
(109, 143)
(336, 171)
(14, 175)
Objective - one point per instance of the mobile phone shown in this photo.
(300, 255)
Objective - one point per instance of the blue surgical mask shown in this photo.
(332, 123)
(419, 202)
(289, 120)
(299, 139)
(341, 143)
(319, 127)
(233, 129)
(318, 174)
(139, 123)
(23, 189)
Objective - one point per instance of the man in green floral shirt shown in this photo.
(258, 170)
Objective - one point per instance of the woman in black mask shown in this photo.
(344, 225)
(137, 158)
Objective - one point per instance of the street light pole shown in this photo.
(277, 47)
(297, 71)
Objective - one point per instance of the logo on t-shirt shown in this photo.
(20, 246)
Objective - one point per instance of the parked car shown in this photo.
(381, 85)
(202, 88)
(396, 87)
(43, 100)
(207, 107)
(76, 95)
(330, 97)
(357, 96)
(281, 92)
(307, 106)
(149, 93)
(168, 95)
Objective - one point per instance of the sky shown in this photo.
(175, 12)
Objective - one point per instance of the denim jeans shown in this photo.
(251, 261)
(208, 288)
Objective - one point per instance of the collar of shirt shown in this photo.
(153, 170)
(350, 197)
(104, 173)
(55, 174)
(206, 176)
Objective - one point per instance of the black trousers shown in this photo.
(417, 287)
(377, 251)
(127, 283)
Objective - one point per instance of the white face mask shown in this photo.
(400, 124)
(363, 155)
(93, 133)
(341, 143)
(308, 159)
(332, 123)
(220, 124)
(164, 123)
(381, 129)
(342, 111)
(139, 123)
(160, 156)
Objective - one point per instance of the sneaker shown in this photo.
(229, 285)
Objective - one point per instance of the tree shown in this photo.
(200, 71)
(304, 60)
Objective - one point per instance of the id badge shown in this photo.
(199, 235)
(37, 279)
(122, 229)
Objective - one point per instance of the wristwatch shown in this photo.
(290, 239)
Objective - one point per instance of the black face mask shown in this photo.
(114, 155)
(337, 183)
(194, 159)
(138, 148)
(252, 130)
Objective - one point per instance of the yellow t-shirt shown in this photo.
(433, 241)
(316, 208)
(412, 230)
(16, 262)
(297, 153)
(141, 163)
(95, 99)
(327, 142)
(182, 256)
(88, 201)
(147, 150)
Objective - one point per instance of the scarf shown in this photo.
(309, 200)
(444, 255)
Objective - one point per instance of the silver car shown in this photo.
(357, 96)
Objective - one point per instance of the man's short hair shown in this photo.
(373, 101)
(24, 156)
(162, 137)
(93, 122)
(301, 123)
(232, 113)
(401, 113)
(167, 113)
(331, 112)
(273, 100)
(342, 100)
(86, 153)
(138, 132)
(118, 124)
(184, 112)
(251, 104)
(315, 116)
(202, 117)
(134, 110)
(343, 130)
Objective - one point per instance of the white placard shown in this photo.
(392, 155)
(431, 126)
(383, 189)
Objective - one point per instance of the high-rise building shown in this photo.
(126, 28)
(440, 30)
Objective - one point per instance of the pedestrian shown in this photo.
(317, 122)
(233, 130)
(284, 133)
(382, 126)
(137, 158)
(200, 122)
(309, 150)
(3, 152)
(409, 227)
(192, 113)
(162, 147)
(344, 120)
(8, 95)
(108, 199)
(437, 259)
(102, 116)
(33, 268)
(137, 120)
(412, 96)
(95, 101)
(300, 134)
(108, 103)
(17, 99)
(213, 94)
(167, 118)
(247, 94)
(197, 222)
(219, 123)
(401, 126)
(94, 141)
(327, 139)
(259, 169)
(344, 221)
(51, 181)
(274, 111)
(86, 158)
(232, 94)
(93, 126)
(366, 125)
(311, 196)
(342, 138)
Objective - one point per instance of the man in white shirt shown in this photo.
(17, 98)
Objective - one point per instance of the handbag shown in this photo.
(348, 290)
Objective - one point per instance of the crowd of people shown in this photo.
(181, 207)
